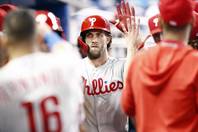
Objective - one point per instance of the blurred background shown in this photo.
(72, 13)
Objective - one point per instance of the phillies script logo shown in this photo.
(98, 86)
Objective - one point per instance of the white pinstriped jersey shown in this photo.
(41, 92)
(102, 89)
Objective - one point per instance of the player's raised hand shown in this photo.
(123, 11)
(132, 33)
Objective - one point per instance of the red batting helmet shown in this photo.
(95, 22)
(2, 16)
(92, 22)
(154, 25)
(4, 9)
(50, 19)
(8, 7)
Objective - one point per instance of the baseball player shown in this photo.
(161, 89)
(103, 78)
(155, 29)
(43, 16)
(36, 93)
(103, 75)
(49, 18)
(155, 32)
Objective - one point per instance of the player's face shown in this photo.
(97, 41)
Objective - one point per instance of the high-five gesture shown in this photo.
(131, 33)
(123, 11)
(126, 22)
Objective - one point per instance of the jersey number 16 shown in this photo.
(45, 114)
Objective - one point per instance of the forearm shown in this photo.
(130, 54)
(55, 43)
(132, 49)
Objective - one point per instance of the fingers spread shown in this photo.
(128, 10)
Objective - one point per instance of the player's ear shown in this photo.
(3, 39)
(109, 38)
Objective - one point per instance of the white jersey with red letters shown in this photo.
(41, 92)
(102, 89)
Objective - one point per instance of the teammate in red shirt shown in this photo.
(161, 89)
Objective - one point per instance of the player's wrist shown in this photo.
(51, 39)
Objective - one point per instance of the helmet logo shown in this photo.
(92, 20)
(53, 19)
(42, 18)
(155, 21)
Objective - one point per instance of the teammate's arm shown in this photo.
(128, 25)
(127, 102)
(53, 41)
(132, 40)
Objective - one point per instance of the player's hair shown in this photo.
(20, 25)
(168, 27)
(175, 29)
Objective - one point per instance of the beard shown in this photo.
(94, 54)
